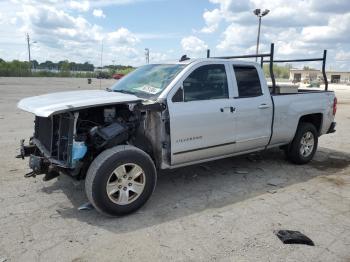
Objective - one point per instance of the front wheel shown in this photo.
(120, 180)
(304, 145)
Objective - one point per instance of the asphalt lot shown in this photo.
(225, 210)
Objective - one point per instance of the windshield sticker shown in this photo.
(149, 89)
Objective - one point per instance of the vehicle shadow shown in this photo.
(212, 185)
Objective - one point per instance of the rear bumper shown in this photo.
(332, 128)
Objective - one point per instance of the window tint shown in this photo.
(206, 82)
(248, 81)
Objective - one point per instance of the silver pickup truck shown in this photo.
(164, 116)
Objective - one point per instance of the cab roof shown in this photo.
(199, 60)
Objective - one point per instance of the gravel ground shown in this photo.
(225, 210)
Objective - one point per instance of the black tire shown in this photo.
(101, 169)
(293, 151)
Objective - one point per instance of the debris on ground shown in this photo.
(254, 157)
(86, 206)
(338, 181)
(338, 157)
(276, 181)
(271, 191)
(293, 237)
(242, 172)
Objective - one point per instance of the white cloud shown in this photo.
(122, 36)
(104, 3)
(193, 44)
(98, 13)
(298, 28)
(335, 6)
(130, 52)
(7, 19)
(343, 56)
(337, 30)
(63, 32)
(63, 35)
(51, 25)
(82, 6)
(236, 36)
(156, 57)
(13, 20)
(212, 20)
(231, 6)
(63, 29)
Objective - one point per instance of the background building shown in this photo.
(307, 75)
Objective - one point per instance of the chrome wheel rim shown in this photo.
(126, 184)
(307, 144)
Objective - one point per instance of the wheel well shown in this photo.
(315, 119)
(143, 143)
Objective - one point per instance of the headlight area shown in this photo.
(68, 142)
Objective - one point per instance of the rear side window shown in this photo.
(205, 83)
(248, 81)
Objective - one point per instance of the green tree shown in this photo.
(64, 67)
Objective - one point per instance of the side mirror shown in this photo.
(179, 95)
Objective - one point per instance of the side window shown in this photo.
(178, 96)
(206, 82)
(248, 81)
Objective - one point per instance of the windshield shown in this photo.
(148, 81)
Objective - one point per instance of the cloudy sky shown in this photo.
(74, 30)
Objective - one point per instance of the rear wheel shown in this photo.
(304, 145)
(120, 180)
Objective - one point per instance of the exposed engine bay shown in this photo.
(68, 142)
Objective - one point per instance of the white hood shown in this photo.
(46, 105)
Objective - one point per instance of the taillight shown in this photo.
(335, 106)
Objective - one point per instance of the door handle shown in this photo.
(232, 109)
(263, 106)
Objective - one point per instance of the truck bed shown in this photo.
(288, 108)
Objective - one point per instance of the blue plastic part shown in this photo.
(79, 150)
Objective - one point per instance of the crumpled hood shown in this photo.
(46, 105)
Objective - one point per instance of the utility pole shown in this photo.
(101, 61)
(29, 60)
(259, 14)
(147, 55)
(101, 53)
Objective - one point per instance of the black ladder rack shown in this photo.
(271, 61)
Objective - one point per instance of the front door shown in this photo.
(202, 116)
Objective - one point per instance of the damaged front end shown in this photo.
(68, 142)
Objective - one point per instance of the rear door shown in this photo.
(254, 107)
(202, 114)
